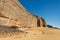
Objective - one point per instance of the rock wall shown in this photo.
(16, 15)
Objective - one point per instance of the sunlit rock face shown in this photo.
(12, 13)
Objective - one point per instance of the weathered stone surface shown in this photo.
(12, 13)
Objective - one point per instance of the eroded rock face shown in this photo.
(12, 13)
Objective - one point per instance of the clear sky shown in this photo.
(48, 9)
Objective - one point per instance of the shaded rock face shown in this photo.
(12, 13)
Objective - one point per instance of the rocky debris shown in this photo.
(9, 32)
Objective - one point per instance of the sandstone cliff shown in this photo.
(12, 13)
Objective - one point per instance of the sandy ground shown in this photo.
(36, 34)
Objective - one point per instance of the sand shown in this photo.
(39, 33)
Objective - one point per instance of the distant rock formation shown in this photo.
(49, 26)
(13, 14)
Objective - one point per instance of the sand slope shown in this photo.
(37, 34)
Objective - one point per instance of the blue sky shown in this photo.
(48, 9)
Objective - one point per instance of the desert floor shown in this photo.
(39, 33)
